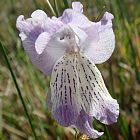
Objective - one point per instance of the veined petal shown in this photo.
(100, 43)
(29, 32)
(41, 42)
(23, 26)
(95, 97)
(35, 35)
(64, 88)
(80, 35)
(84, 124)
(52, 25)
(39, 15)
(77, 6)
(75, 18)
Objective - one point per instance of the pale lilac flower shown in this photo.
(68, 48)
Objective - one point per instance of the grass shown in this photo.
(18, 89)
(121, 73)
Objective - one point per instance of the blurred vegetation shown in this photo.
(121, 73)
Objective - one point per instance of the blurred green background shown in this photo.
(121, 73)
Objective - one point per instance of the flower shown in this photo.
(68, 48)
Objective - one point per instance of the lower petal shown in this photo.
(84, 124)
(108, 112)
(65, 115)
(65, 97)
(97, 101)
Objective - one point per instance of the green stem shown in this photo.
(18, 90)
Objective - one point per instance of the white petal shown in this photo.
(41, 42)
(77, 6)
(84, 124)
(101, 49)
(64, 88)
(81, 36)
(96, 99)
(75, 18)
(39, 15)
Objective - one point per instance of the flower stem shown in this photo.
(18, 89)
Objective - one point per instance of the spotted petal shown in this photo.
(64, 91)
(96, 99)
(76, 79)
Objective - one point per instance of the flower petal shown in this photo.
(52, 25)
(80, 35)
(100, 43)
(77, 6)
(75, 18)
(41, 42)
(38, 45)
(23, 26)
(39, 15)
(96, 99)
(84, 124)
(65, 96)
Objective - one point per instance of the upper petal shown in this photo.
(35, 34)
(24, 27)
(75, 18)
(39, 15)
(41, 42)
(100, 43)
(80, 35)
(77, 6)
